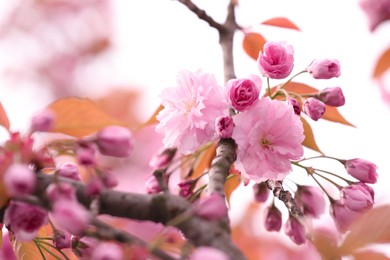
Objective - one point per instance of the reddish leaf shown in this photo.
(204, 161)
(152, 120)
(231, 185)
(4, 121)
(382, 65)
(372, 227)
(253, 43)
(326, 243)
(309, 141)
(372, 255)
(79, 117)
(281, 22)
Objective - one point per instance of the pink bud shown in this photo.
(314, 108)
(186, 187)
(311, 199)
(109, 180)
(296, 105)
(277, 60)
(342, 216)
(205, 252)
(152, 186)
(6, 249)
(332, 96)
(243, 93)
(69, 170)
(61, 239)
(60, 191)
(358, 197)
(24, 220)
(261, 192)
(19, 180)
(94, 187)
(163, 158)
(43, 121)
(361, 169)
(377, 12)
(86, 155)
(295, 230)
(70, 216)
(212, 208)
(224, 126)
(273, 219)
(324, 68)
(115, 141)
(107, 251)
(83, 247)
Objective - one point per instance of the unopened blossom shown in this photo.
(190, 109)
(311, 200)
(261, 191)
(24, 220)
(69, 170)
(107, 251)
(19, 180)
(212, 208)
(109, 180)
(332, 96)
(116, 141)
(224, 126)
(152, 186)
(358, 197)
(296, 105)
(205, 252)
(268, 136)
(70, 216)
(273, 219)
(276, 61)
(86, 155)
(377, 12)
(362, 170)
(83, 247)
(295, 230)
(324, 68)
(314, 108)
(186, 187)
(42, 121)
(60, 191)
(163, 158)
(94, 186)
(342, 216)
(61, 239)
(243, 93)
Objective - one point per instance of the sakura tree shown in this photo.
(59, 189)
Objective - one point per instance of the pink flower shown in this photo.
(273, 219)
(212, 208)
(60, 191)
(342, 216)
(311, 199)
(242, 93)
(332, 96)
(261, 191)
(69, 170)
(70, 216)
(358, 197)
(6, 248)
(42, 121)
(86, 155)
(162, 159)
(205, 252)
(19, 180)
(268, 136)
(277, 60)
(362, 170)
(295, 230)
(24, 220)
(324, 69)
(84, 247)
(224, 126)
(296, 105)
(61, 239)
(107, 251)
(115, 141)
(314, 108)
(152, 186)
(377, 11)
(190, 109)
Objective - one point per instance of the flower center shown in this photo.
(265, 143)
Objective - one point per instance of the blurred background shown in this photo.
(123, 53)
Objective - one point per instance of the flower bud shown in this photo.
(324, 68)
(115, 141)
(69, 170)
(163, 158)
(295, 230)
(86, 155)
(276, 61)
(243, 93)
(109, 180)
(94, 187)
(212, 208)
(152, 186)
(205, 252)
(42, 121)
(186, 187)
(358, 197)
(61, 239)
(296, 105)
(19, 180)
(261, 192)
(342, 216)
(273, 219)
(61, 191)
(107, 251)
(70, 216)
(361, 169)
(83, 247)
(311, 200)
(224, 126)
(332, 96)
(314, 108)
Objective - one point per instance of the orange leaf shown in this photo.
(79, 117)
(253, 43)
(382, 64)
(4, 121)
(231, 185)
(281, 22)
(325, 243)
(152, 120)
(309, 141)
(372, 255)
(204, 161)
(372, 227)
